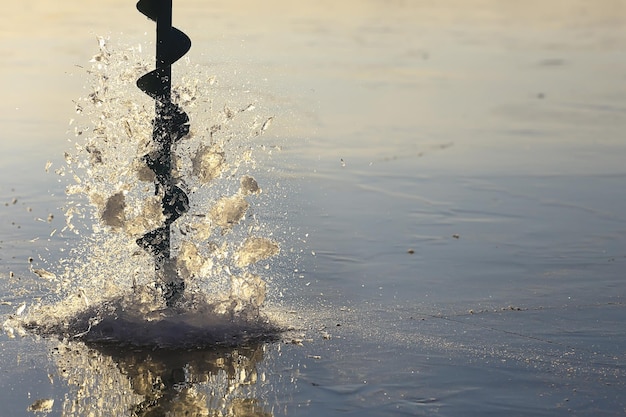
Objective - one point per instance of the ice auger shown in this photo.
(170, 125)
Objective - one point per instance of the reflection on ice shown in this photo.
(108, 380)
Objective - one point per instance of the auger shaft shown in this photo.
(170, 125)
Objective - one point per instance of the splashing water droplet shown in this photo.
(106, 290)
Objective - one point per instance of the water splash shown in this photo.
(106, 288)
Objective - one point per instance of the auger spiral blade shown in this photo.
(170, 124)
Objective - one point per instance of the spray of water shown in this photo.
(221, 247)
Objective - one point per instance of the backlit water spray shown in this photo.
(174, 250)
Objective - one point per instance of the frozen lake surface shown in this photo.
(451, 209)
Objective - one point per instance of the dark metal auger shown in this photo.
(170, 125)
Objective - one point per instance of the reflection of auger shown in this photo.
(170, 125)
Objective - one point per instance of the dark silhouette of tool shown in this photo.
(170, 125)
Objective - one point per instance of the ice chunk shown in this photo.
(20, 309)
(42, 273)
(208, 163)
(255, 249)
(228, 211)
(189, 261)
(249, 185)
(42, 405)
(267, 124)
(113, 213)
